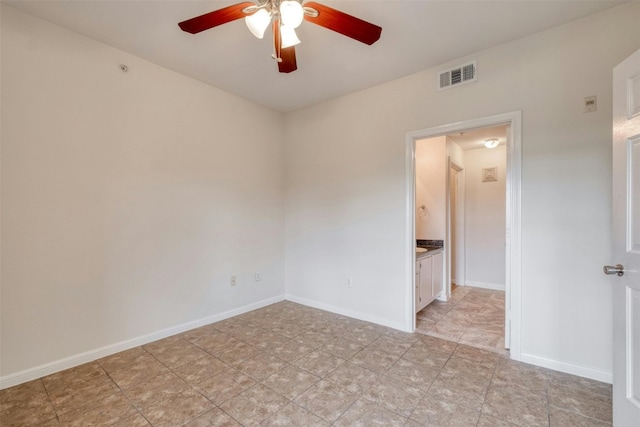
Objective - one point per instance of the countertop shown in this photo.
(431, 250)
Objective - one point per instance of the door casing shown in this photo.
(455, 226)
(513, 273)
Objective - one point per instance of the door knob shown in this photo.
(618, 269)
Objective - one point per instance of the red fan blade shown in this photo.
(286, 57)
(343, 23)
(215, 18)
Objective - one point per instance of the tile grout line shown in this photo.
(55, 411)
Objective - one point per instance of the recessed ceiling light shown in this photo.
(491, 143)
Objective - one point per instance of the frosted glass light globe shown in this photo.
(258, 22)
(291, 13)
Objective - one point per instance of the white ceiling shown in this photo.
(416, 35)
(470, 140)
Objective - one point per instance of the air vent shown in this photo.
(458, 75)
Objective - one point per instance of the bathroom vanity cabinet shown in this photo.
(429, 280)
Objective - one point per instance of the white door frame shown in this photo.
(456, 224)
(513, 306)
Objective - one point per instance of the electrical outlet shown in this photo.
(590, 104)
(234, 281)
(349, 283)
(258, 276)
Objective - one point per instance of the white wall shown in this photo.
(431, 183)
(455, 152)
(345, 196)
(485, 209)
(128, 199)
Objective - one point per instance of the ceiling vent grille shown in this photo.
(457, 75)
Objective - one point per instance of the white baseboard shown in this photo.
(568, 368)
(349, 313)
(91, 355)
(483, 285)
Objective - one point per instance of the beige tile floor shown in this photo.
(472, 316)
(291, 365)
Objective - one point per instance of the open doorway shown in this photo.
(464, 185)
(455, 245)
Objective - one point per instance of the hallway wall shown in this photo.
(431, 162)
(485, 209)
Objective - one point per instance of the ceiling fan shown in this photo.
(285, 16)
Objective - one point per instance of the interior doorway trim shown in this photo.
(455, 227)
(513, 251)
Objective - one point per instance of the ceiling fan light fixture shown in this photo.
(491, 143)
(289, 36)
(258, 22)
(291, 13)
(285, 16)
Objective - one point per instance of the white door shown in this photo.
(626, 242)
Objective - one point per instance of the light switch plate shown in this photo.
(590, 104)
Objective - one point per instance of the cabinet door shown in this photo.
(438, 269)
(417, 297)
(425, 282)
